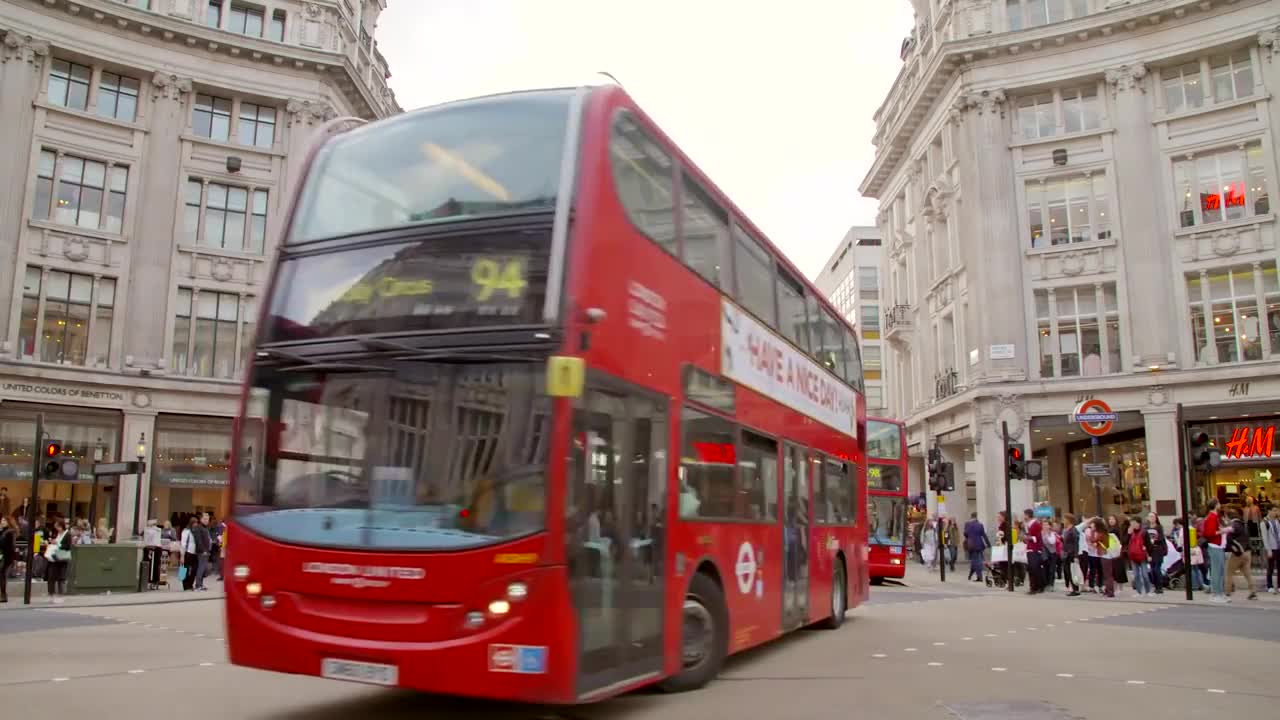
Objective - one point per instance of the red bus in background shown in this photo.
(536, 414)
(886, 498)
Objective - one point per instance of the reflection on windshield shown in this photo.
(888, 518)
(884, 440)
(416, 456)
(479, 157)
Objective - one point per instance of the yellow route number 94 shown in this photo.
(493, 276)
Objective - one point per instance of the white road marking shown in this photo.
(1216, 691)
(1136, 682)
(990, 635)
(997, 669)
(1032, 629)
(136, 672)
(879, 655)
(1065, 675)
(1013, 632)
(935, 664)
(1050, 625)
(939, 644)
(908, 649)
(61, 679)
(206, 664)
(966, 638)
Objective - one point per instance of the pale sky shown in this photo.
(772, 100)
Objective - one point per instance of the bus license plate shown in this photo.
(361, 672)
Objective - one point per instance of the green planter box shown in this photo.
(99, 568)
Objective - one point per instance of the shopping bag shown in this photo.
(999, 554)
(1020, 553)
(1077, 577)
(182, 574)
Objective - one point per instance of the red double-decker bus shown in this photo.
(536, 414)
(886, 498)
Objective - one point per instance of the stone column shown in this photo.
(303, 117)
(1269, 54)
(127, 489)
(1160, 424)
(992, 232)
(20, 66)
(152, 249)
(1144, 225)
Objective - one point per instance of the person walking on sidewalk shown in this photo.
(190, 558)
(1240, 557)
(8, 554)
(1211, 536)
(1157, 548)
(1271, 547)
(204, 545)
(1034, 538)
(975, 544)
(951, 539)
(1140, 559)
(58, 553)
(1072, 560)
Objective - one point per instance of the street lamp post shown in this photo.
(137, 501)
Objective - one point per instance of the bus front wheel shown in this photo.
(839, 601)
(704, 636)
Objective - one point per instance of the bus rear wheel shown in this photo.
(839, 598)
(704, 636)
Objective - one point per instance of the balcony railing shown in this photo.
(897, 321)
(946, 384)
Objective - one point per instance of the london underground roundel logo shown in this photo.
(1095, 417)
(745, 569)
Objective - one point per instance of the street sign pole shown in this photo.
(1184, 489)
(1008, 505)
(37, 462)
(1097, 481)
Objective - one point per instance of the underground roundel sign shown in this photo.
(1095, 417)
(745, 568)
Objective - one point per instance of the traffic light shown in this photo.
(1204, 457)
(935, 469)
(1017, 462)
(1033, 469)
(58, 465)
(52, 459)
(947, 477)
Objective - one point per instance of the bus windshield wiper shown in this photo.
(301, 363)
(424, 354)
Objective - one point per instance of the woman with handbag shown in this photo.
(8, 554)
(58, 554)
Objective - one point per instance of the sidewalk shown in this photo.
(921, 577)
(173, 593)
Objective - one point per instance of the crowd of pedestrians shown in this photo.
(1100, 556)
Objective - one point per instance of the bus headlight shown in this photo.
(499, 607)
(253, 589)
(241, 572)
(517, 591)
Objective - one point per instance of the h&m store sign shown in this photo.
(60, 392)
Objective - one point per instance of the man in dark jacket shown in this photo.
(975, 544)
(204, 543)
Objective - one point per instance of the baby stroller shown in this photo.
(997, 569)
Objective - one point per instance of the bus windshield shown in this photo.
(489, 156)
(884, 440)
(888, 518)
(881, 476)
(402, 454)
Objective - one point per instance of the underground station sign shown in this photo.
(1095, 417)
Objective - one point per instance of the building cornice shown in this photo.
(950, 58)
(117, 18)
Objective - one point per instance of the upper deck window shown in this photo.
(884, 440)
(642, 173)
(489, 156)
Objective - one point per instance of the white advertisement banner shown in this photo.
(753, 355)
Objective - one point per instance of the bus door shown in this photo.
(615, 506)
(795, 584)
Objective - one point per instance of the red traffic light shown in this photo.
(1015, 453)
(52, 449)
